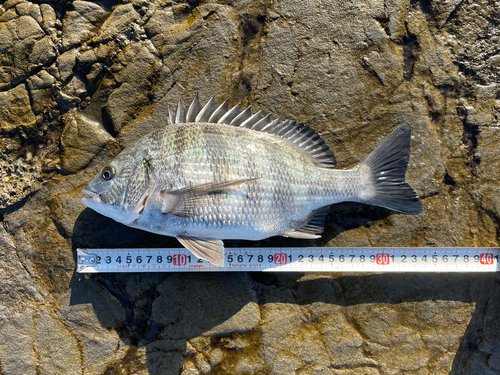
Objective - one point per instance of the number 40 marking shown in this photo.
(486, 258)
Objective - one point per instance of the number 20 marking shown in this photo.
(280, 258)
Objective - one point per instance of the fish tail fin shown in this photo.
(386, 166)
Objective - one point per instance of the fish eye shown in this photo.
(108, 172)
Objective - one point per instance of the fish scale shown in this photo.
(242, 176)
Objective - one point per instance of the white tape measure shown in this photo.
(295, 259)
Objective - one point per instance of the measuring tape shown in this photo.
(295, 259)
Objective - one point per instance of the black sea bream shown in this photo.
(217, 173)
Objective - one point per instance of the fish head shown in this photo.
(119, 186)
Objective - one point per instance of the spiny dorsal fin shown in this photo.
(298, 134)
(230, 115)
(194, 109)
(180, 115)
(252, 120)
(219, 112)
(206, 111)
(242, 117)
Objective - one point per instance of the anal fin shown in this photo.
(209, 250)
(302, 235)
(314, 227)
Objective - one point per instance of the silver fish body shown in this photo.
(202, 180)
(283, 186)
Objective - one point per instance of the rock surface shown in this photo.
(79, 80)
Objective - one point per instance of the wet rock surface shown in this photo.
(80, 80)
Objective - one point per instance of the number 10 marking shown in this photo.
(180, 259)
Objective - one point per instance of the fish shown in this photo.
(215, 173)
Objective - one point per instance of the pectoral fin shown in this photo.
(138, 210)
(182, 202)
(210, 250)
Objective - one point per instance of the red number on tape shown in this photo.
(280, 258)
(383, 258)
(486, 258)
(180, 259)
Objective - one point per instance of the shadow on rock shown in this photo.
(388, 288)
(343, 217)
(480, 349)
(159, 311)
(162, 312)
(95, 230)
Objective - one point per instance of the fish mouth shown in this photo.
(91, 196)
(89, 193)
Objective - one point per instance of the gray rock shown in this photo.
(135, 69)
(205, 318)
(18, 37)
(488, 154)
(90, 323)
(87, 58)
(81, 23)
(51, 336)
(82, 140)
(11, 4)
(65, 65)
(42, 87)
(74, 91)
(160, 20)
(34, 12)
(20, 167)
(154, 117)
(15, 110)
(118, 23)
(8, 15)
(44, 52)
(387, 67)
(16, 342)
(48, 17)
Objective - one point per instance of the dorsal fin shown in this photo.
(230, 115)
(194, 109)
(298, 134)
(206, 111)
(180, 115)
(219, 112)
